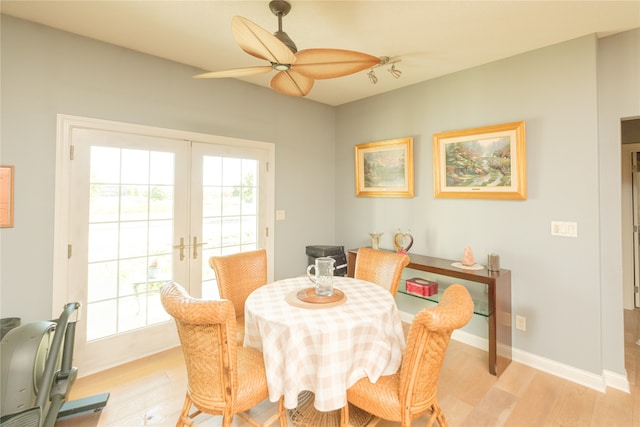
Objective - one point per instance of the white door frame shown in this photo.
(65, 126)
(628, 279)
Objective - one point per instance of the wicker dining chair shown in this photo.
(381, 267)
(223, 378)
(238, 275)
(411, 392)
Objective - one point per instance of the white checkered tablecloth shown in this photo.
(323, 350)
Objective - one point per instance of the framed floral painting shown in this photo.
(481, 163)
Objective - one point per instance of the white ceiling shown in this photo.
(432, 38)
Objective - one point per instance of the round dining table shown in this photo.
(323, 348)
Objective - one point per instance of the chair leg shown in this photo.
(437, 415)
(280, 415)
(344, 415)
(345, 420)
(184, 419)
(227, 418)
(282, 412)
(442, 420)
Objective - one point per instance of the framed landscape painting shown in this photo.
(385, 168)
(481, 163)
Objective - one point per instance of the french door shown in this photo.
(145, 209)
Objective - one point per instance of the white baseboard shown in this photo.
(578, 376)
(617, 381)
(569, 373)
(470, 339)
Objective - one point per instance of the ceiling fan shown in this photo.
(296, 70)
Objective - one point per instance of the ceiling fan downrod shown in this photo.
(281, 8)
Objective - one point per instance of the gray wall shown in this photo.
(569, 289)
(558, 282)
(46, 72)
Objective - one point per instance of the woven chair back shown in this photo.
(240, 274)
(381, 267)
(205, 328)
(427, 343)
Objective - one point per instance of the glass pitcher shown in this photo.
(323, 277)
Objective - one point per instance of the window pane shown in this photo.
(230, 201)
(133, 276)
(212, 171)
(104, 202)
(231, 171)
(231, 231)
(103, 280)
(105, 165)
(249, 172)
(161, 169)
(101, 319)
(134, 202)
(211, 201)
(133, 239)
(135, 167)
(103, 242)
(161, 202)
(160, 237)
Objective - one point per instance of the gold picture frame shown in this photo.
(6, 196)
(385, 168)
(481, 163)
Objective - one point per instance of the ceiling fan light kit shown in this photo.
(372, 76)
(385, 60)
(296, 70)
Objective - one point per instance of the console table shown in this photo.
(496, 307)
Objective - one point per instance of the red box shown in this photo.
(422, 287)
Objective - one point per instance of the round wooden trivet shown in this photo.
(309, 295)
(292, 299)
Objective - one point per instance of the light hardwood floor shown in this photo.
(150, 392)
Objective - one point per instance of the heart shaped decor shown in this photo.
(402, 242)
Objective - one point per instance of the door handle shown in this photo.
(181, 247)
(195, 247)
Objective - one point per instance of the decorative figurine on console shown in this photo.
(403, 241)
(467, 258)
(375, 240)
(468, 261)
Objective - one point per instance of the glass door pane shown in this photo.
(230, 204)
(130, 238)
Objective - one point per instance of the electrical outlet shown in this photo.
(521, 323)
(564, 229)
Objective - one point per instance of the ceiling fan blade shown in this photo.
(291, 83)
(260, 43)
(330, 63)
(235, 72)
